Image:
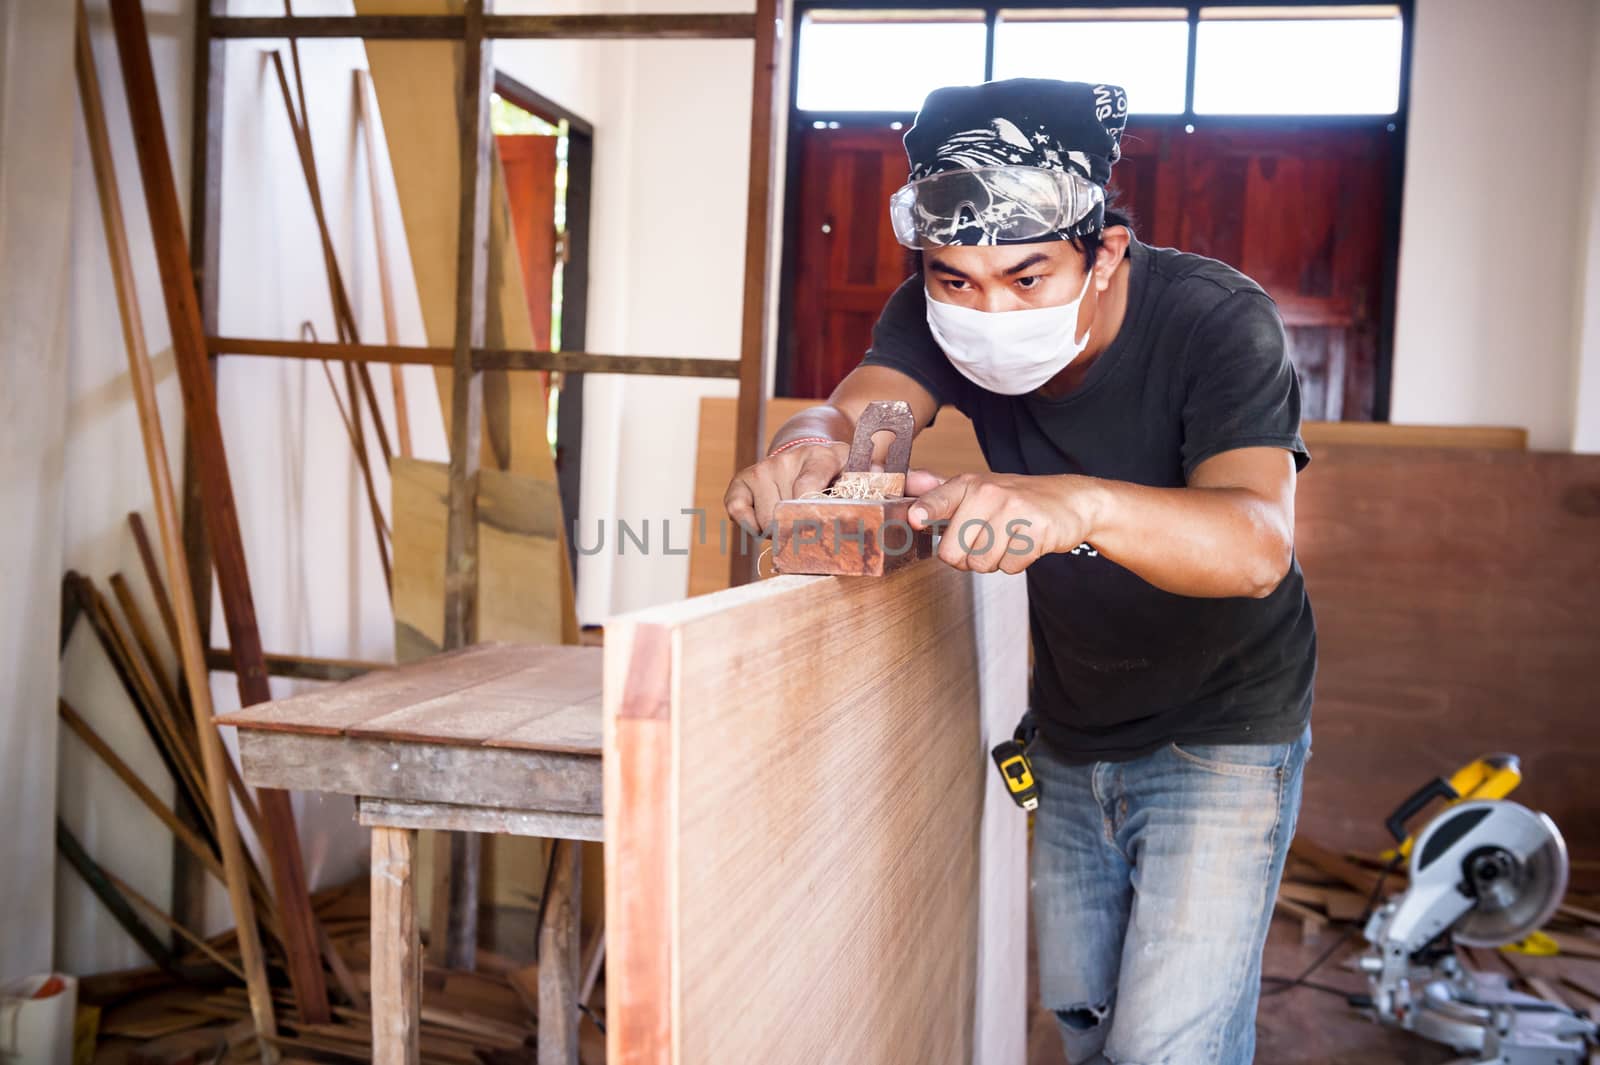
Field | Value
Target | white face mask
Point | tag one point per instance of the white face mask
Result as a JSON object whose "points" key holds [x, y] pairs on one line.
{"points": [[1009, 352]]}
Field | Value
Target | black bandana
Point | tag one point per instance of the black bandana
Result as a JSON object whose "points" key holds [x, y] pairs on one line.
{"points": [[1054, 125]]}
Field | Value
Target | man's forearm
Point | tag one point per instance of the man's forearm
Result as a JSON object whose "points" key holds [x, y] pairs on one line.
{"points": [[1203, 542], [822, 421]]}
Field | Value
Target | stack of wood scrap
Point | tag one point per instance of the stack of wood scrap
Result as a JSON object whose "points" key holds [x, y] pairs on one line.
{"points": [[1325, 890], [468, 1018]]}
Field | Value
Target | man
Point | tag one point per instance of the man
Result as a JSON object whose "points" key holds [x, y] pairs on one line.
{"points": [[1141, 417]]}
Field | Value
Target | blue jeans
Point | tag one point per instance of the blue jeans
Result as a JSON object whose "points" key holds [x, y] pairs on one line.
{"points": [[1153, 886]]}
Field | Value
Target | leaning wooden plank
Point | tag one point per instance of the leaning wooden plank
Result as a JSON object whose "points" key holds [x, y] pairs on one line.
{"points": [[366, 115], [186, 836], [161, 915], [107, 893], [344, 317], [521, 557], [134, 49], [816, 859]]}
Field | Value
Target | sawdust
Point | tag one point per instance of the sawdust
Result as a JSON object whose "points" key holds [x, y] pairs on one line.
{"points": [[862, 486]]}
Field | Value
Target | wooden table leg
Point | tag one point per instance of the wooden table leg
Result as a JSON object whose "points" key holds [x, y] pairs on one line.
{"points": [[558, 957], [396, 948]]}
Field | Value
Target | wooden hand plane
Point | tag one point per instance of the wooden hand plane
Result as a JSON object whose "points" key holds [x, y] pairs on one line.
{"points": [[858, 527]]}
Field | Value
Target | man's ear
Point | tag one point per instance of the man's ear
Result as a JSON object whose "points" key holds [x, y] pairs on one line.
{"points": [[1113, 247]]}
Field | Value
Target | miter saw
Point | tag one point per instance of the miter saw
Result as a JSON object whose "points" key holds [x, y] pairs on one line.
{"points": [[1484, 872]]}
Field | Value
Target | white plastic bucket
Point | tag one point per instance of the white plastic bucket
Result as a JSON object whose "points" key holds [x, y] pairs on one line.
{"points": [[36, 1020]]}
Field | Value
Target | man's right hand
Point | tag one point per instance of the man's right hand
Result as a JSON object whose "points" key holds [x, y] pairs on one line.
{"points": [[790, 474]]}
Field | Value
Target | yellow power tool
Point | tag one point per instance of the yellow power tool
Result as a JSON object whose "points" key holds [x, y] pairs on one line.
{"points": [[1494, 776]]}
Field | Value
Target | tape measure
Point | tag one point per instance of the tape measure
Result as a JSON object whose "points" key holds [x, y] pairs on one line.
{"points": [[1011, 758]]}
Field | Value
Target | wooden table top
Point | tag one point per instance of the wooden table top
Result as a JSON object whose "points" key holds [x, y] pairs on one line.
{"points": [[519, 696]]}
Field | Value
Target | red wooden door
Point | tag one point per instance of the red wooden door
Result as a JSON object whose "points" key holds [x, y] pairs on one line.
{"points": [[1301, 211], [849, 261], [529, 162]]}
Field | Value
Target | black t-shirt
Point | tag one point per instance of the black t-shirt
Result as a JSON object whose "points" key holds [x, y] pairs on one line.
{"points": [[1199, 367]]}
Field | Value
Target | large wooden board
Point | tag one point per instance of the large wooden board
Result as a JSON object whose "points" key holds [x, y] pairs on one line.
{"points": [[812, 856], [1455, 593], [521, 558], [950, 447]]}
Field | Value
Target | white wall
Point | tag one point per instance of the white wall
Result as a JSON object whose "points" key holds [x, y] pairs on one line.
{"points": [[37, 104], [1489, 297]]}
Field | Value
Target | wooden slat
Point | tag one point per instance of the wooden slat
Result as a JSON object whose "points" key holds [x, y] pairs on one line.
{"points": [[332, 710], [422, 772], [454, 27], [452, 817], [482, 358], [507, 704], [161, 196], [1383, 434], [301, 667], [817, 746], [574, 729]]}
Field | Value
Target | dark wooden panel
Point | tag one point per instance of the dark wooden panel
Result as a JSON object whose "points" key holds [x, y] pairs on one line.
{"points": [[1455, 596]]}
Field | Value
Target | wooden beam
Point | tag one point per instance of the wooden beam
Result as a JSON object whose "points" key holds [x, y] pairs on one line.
{"points": [[301, 667], [222, 521], [482, 359], [750, 440], [205, 236], [466, 424], [396, 949], [717, 26], [211, 803]]}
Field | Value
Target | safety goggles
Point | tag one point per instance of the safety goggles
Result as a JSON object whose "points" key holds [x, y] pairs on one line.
{"points": [[991, 205]]}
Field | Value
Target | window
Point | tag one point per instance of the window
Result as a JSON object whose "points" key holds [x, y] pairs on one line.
{"points": [[1146, 51], [1284, 61], [876, 61]]}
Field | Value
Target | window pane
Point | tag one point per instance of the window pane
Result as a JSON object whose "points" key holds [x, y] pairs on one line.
{"points": [[884, 66], [1148, 58], [1297, 66]]}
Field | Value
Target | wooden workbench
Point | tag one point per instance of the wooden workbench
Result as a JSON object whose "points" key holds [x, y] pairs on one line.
{"points": [[499, 738]]}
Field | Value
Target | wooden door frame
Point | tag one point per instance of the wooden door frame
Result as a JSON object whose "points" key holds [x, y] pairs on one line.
{"points": [[574, 287], [1394, 181]]}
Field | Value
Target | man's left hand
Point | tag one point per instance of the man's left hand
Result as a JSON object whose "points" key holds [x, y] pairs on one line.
{"points": [[1002, 521]]}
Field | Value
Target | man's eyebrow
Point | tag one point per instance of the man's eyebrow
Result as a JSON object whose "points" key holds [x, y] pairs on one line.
{"points": [[1033, 260], [946, 268]]}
